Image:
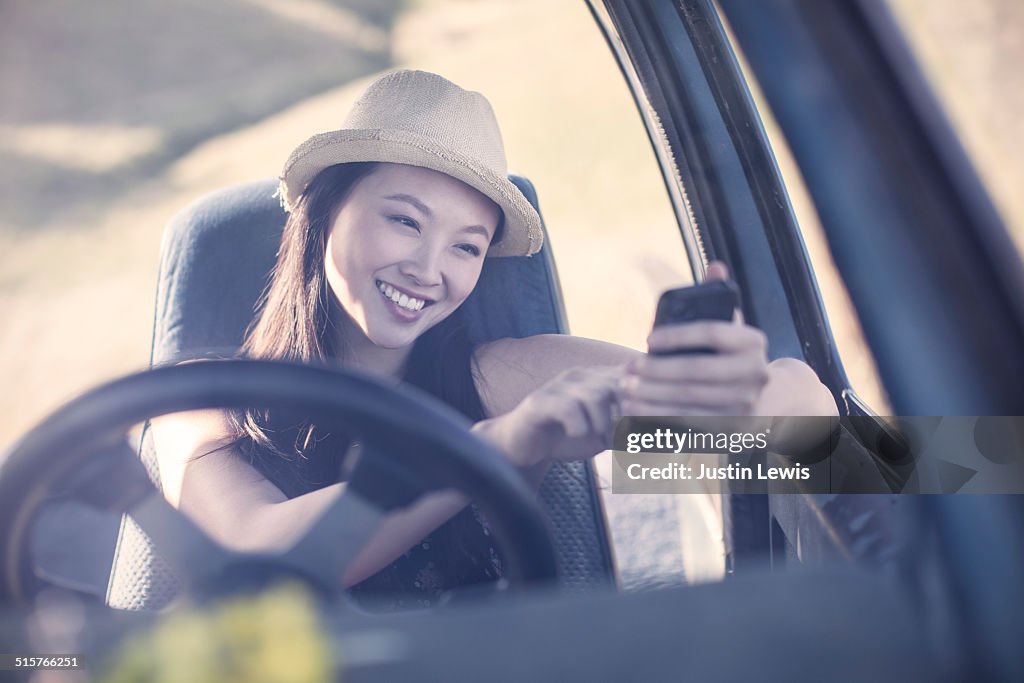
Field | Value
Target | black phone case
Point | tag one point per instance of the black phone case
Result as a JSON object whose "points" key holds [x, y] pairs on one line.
{"points": [[709, 301]]}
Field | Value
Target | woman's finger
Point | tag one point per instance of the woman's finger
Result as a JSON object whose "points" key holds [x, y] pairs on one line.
{"points": [[750, 368], [575, 409], [568, 416], [693, 393], [640, 408], [598, 403], [723, 337], [717, 270]]}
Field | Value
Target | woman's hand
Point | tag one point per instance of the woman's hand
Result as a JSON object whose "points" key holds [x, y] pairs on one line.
{"points": [[729, 381], [570, 417], [737, 380]]}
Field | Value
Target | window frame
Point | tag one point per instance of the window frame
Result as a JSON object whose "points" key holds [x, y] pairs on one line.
{"points": [[871, 108], [715, 154]]}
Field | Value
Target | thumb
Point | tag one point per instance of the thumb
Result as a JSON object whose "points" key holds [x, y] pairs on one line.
{"points": [[717, 270]]}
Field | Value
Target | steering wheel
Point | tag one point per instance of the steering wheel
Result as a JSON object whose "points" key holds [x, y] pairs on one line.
{"points": [[411, 444]]}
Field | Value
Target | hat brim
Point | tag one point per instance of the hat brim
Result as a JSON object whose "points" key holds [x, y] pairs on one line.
{"points": [[522, 236]]}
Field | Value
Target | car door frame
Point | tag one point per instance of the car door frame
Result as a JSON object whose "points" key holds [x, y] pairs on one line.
{"points": [[731, 203]]}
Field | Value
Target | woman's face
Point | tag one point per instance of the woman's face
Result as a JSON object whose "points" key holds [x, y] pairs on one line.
{"points": [[406, 249]]}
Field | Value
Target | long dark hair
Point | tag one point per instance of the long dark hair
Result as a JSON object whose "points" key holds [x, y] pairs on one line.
{"points": [[298, 320]]}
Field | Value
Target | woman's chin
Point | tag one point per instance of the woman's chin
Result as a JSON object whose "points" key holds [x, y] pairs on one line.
{"points": [[391, 341]]}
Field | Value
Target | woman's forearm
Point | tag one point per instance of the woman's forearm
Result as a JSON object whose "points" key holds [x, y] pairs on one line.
{"points": [[262, 525], [524, 453], [402, 530], [251, 515], [405, 528]]}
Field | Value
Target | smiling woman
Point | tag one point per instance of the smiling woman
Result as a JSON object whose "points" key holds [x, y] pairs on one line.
{"points": [[390, 222], [399, 267]]}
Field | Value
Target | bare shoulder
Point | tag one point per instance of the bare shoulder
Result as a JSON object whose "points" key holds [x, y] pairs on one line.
{"points": [[509, 369], [181, 438]]}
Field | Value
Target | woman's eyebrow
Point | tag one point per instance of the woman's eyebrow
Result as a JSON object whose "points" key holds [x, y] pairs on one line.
{"points": [[477, 229], [409, 199], [424, 209]]}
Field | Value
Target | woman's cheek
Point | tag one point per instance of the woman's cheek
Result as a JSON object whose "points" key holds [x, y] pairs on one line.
{"points": [[467, 283]]}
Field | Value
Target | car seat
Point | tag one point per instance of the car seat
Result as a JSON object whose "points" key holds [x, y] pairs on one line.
{"points": [[216, 257]]}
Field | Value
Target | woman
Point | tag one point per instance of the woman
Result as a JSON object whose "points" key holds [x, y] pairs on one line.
{"points": [[391, 218]]}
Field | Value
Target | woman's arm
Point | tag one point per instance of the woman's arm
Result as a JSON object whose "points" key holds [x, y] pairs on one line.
{"points": [[242, 510], [211, 483], [737, 380], [554, 389], [509, 370]]}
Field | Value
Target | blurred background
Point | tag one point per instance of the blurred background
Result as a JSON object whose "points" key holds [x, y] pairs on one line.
{"points": [[113, 115], [116, 113]]}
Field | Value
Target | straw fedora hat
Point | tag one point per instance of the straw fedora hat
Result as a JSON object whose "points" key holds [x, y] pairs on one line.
{"points": [[422, 119]]}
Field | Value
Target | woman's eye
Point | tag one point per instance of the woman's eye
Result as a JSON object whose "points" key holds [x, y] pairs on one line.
{"points": [[406, 221], [470, 249]]}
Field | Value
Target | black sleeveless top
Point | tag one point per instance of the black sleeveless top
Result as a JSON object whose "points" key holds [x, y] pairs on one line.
{"points": [[461, 552]]}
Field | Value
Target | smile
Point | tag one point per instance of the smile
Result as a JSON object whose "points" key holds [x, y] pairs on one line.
{"points": [[401, 299]]}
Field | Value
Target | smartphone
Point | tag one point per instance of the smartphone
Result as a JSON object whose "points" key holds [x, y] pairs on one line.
{"points": [[708, 301]]}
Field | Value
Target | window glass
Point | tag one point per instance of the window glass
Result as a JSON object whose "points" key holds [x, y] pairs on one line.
{"points": [[971, 53], [857, 359], [853, 350]]}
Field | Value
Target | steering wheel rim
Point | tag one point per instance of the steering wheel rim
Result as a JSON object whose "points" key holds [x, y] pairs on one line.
{"points": [[98, 420]]}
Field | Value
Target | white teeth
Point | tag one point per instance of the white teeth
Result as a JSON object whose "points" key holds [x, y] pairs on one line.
{"points": [[405, 301]]}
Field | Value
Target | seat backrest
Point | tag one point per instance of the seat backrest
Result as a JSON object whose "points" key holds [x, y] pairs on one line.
{"points": [[216, 258]]}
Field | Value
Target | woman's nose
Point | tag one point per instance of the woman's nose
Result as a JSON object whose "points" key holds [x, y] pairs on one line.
{"points": [[424, 265]]}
